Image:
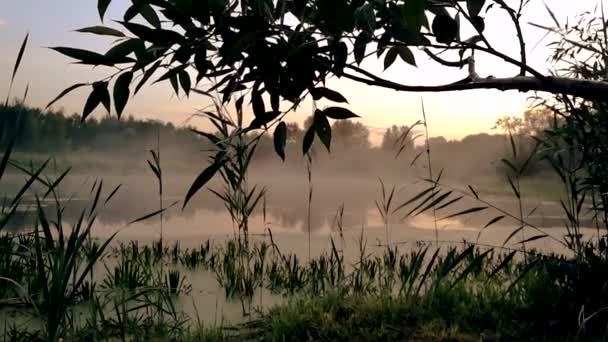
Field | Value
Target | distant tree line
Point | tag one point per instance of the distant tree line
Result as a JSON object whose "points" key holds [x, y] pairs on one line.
{"points": [[53, 132]]}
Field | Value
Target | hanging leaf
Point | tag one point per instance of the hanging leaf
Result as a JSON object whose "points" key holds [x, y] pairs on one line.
{"points": [[321, 92], [185, 82], [104, 94], [339, 113], [122, 92], [171, 73], [150, 15], [203, 179], [147, 76], [102, 31], [275, 102], [406, 55], [65, 92], [125, 48], [322, 128], [309, 137], [445, 29], [257, 103], [201, 63], [90, 57], [390, 57], [360, 46], [102, 7], [280, 139], [92, 102], [478, 23], [174, 83], [474, 7], [340, 57]]}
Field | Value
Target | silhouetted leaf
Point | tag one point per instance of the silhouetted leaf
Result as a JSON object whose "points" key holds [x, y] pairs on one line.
{"points": [[474, 7], [102, 7], [122, 92], [65, 92], [445, 29], [340, 57], [450, 202], [155, 213], [92, 102], [112, 194], [6, 156], [147, 75], [203, 179], [185, 82], [201, 63], [465, 212], [414, 198], [160, 37], [275, 102], [473, 191], [339, 113], [104, 94], [512, 234], [406, 55], [505, 262], [557, 24], [90, 57], [150, 15], [214, 139], [522, 274], [101, 30], [125, 48], [174, 83], [514, 188], [280, 139], [56, 182], [322, 128], [258, 104], [494, 220], [309, 137], [513, 148], [478, 23], [533, 238], [19, 57], [360, 46], [472, 265], [332, 95], [390, 57]]}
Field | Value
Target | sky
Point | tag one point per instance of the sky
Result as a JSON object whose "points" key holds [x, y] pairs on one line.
{"points": [[451, 114]]}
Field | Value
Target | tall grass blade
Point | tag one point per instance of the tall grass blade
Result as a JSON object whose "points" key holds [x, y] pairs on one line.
{"points": [[465, 212], [112, 194], [6, 156], [155, 213], [513, 233], [56, 183], [472, 266], [522, 274], [35, 175], [17, 64], [504, 263]]}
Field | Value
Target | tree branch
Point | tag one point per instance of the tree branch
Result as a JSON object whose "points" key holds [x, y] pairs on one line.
{"points": [[520, 35], [587, 89]]}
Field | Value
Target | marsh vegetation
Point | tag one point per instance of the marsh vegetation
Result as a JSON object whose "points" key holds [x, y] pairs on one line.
{"points": [[498, 237]]}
